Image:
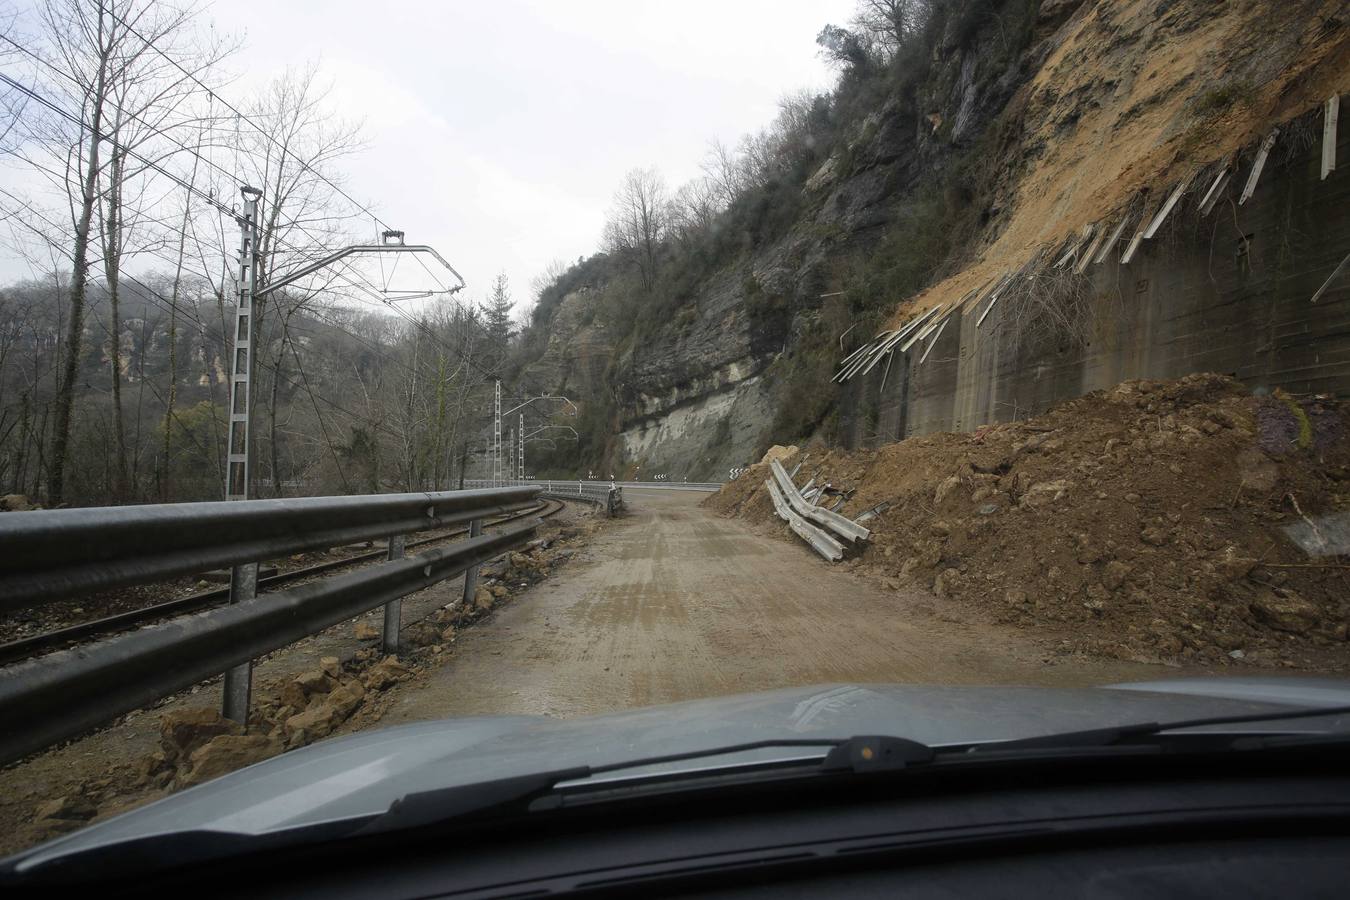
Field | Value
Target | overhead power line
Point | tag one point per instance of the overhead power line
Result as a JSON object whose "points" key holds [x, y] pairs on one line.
{"points": [[262, 131]]}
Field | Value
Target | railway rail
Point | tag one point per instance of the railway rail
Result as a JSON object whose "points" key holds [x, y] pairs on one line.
{"points": [[62, 638]]}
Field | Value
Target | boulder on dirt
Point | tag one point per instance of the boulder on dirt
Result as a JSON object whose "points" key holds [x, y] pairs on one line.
{"points": [[16, 503], [321, 718], [69, 808], [227, 753], [384, 673], [294, 695], [184, 730], [316, 682], [1045, 492], [421, 634], [1114, 574], [778, 452], [364, 631], [482, 598], [1284, 610], [944, 489]]}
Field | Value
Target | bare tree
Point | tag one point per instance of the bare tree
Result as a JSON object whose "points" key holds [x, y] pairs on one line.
{"points": [[638, 221], [724, 170], [119, 71], [694, 208], [292, 160], [891, 23]]}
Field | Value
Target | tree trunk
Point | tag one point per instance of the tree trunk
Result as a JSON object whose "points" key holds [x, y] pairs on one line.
{"points": [[111, 266], [65, 395]]}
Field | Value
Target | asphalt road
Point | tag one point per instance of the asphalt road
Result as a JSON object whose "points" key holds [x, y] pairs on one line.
{"points": [[675, 603]]}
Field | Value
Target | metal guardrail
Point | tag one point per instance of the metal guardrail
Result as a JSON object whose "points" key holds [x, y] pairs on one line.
{"points": [[825, 545], [600, 493], [64, 553], [840, 525], [823, 529], [673, 485]]}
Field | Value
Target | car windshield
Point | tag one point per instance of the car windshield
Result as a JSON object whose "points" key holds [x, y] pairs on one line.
{"points": [[398, 400]]}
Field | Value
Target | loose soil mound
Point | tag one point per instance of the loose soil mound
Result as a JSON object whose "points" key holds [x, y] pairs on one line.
{"points": [[1158, 520]]}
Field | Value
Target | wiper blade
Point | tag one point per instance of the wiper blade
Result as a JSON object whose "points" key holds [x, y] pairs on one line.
{"points": [[862, 754], [467, 801], [1122, 734]]}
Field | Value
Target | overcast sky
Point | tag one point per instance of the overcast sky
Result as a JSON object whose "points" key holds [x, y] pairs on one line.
{"points": [[498, 130]]}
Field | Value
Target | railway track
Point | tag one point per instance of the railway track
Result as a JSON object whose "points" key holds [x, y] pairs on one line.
{"points": [[62, 638]]}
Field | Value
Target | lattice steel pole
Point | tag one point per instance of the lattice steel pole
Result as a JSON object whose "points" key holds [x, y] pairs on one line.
{"points": [[520, 451], [244, 577], [497, 437]]}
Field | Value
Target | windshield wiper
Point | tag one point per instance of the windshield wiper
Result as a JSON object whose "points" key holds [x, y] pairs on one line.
{"points": [[1123, 734]]}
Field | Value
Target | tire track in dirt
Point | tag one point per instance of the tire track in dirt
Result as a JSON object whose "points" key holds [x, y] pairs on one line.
{"points": [[674, 603]]}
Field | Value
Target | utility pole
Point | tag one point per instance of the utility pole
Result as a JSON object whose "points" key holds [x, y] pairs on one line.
{"points": [[238, 458], [243, 577], [520, 451], [497, 438]]}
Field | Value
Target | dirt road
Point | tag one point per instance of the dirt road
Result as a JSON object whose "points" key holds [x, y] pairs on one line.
{"points": [[674, 603]]}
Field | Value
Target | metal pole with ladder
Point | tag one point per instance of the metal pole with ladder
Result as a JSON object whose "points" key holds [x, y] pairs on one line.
{"points": [[244, 577], [497, 437], [520, 450]]}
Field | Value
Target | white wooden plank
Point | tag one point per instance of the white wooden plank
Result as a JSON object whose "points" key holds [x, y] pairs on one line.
{"points": [[920, 334], [1111, 241], [1257, 166], [1215, 190], [1167, 208], [1334, 275], [1132, 247], [1076, 246], [933, 342], [1090, 252], [1330, 119], [980, 320]]}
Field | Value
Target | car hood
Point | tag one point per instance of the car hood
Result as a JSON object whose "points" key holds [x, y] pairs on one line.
{"points": [[361, 775]]}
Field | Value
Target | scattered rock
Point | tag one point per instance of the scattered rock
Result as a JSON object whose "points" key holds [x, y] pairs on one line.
{"points": [[16, 503], [482, 598], [945, 489], [1284, 610], [364, 631], [314, 682], [1114, 574], [384, 673], [69, 808], [225, 754], [331, 666], [183, 731], [1045, 493], [1153, 536]]}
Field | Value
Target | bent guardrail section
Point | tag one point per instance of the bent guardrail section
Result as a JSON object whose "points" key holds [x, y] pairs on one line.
{"points": [[65, 553], [823, 529], [825, 545]]}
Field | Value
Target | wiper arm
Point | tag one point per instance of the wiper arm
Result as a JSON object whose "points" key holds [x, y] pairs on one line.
{"points": [[873, 753], [468, 800], [1121, 734]]}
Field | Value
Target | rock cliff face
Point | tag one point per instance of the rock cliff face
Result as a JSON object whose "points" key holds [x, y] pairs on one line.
{"points": [[1014, 112]]}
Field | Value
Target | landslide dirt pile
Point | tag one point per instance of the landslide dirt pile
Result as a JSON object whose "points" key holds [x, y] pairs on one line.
{"points": [[1153, 520]]}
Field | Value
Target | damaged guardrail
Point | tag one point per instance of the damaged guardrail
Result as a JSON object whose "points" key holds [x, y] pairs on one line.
{"points": [[53, 554], [823, 529]]}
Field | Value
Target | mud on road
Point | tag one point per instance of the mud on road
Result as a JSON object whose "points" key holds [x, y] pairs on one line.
{"points": [[675, 603]]}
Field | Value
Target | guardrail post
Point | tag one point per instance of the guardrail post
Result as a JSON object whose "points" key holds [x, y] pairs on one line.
{"points": [[239, 680], [393, 610], [471, 574]]}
